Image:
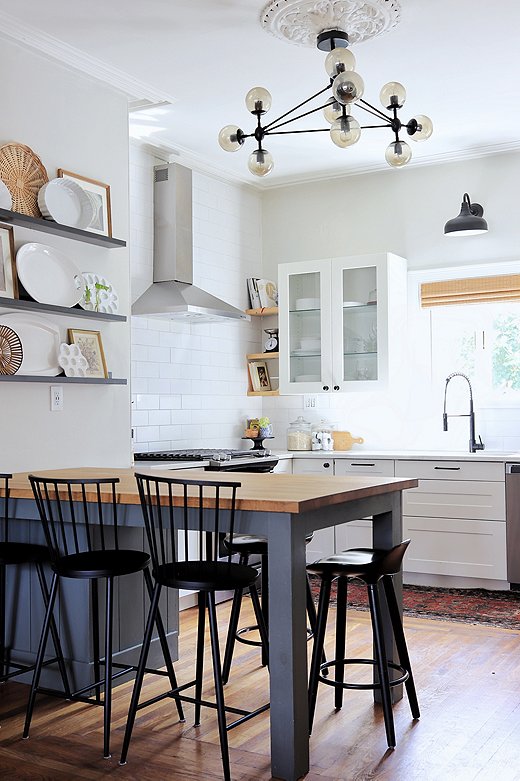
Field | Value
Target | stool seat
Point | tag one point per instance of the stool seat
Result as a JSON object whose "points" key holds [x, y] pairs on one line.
{"points": [[206, 575], [372, 565], [22, 553], [368, 564], [101, 564], [250, 544]]}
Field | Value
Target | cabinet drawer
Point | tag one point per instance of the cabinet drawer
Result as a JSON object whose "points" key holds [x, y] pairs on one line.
{"points": [[451, 470], [456, 499], [364, 466], [454, 546], [314, 465]]}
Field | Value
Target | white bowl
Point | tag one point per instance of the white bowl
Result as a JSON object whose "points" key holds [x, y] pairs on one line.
{"points": [[307, 303]]}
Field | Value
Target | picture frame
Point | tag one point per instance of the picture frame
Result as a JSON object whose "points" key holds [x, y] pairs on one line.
{"points": [[99, 194], [91, 346], [8, 276], [259, 374]]}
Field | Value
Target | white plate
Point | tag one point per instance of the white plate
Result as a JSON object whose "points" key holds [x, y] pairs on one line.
{"points": [[6, 201], [66, 202], [40, 341], [99, 299], [299, 353], [353, 303], [307, 378], [48, 275], [307, 303]]}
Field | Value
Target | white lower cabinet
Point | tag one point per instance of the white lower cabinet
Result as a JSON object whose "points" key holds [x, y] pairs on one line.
{"points": [[355, 534], [455, 518]]}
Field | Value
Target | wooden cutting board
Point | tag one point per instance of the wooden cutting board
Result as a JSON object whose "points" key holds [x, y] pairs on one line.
{"points": [[343, 440]]}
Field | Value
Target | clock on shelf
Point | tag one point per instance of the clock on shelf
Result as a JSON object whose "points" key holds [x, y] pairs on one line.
{"points": [[271, 343]]}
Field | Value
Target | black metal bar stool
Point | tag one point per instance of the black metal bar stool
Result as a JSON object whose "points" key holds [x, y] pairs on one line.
{"points": [[372, 566], [18, 554], [167, 504], [79, 517], [245, 546]]}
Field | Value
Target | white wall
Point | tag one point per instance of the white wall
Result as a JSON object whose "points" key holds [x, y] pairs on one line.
{"points": [[401, 211], [76, 123], [189, 381]]}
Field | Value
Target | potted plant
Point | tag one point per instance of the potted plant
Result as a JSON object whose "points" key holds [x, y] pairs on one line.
{"points": [[265, 427]]}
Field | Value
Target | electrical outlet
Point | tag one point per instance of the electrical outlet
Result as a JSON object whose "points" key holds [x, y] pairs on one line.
{"points": [[56, 398], [310, 401]]}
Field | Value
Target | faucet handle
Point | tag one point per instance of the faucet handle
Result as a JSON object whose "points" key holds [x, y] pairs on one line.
{"points": [[479, 445]]}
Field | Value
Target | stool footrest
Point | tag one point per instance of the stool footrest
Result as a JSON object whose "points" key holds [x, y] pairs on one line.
{"points": [[245, 630], [361, 686]]}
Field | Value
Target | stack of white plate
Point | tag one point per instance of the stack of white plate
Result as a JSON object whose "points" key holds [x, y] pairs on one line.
{"points": [[66, 202]]}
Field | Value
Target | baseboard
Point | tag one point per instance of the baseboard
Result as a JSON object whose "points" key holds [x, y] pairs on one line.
{"points": [[450, 581]]}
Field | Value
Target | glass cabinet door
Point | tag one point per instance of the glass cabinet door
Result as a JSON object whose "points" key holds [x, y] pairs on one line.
{"points": [[356, 321], [305, 364]]}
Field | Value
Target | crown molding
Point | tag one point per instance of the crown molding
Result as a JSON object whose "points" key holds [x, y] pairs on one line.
{"points": [[443, 158], [75, 59]]}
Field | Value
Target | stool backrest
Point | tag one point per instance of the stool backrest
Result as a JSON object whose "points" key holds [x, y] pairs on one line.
{"points": [[78, 515], [167, 503], [4, 512], [393, 559]]}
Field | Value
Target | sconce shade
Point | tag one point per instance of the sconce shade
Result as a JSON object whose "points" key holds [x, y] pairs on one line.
{"points": [[469, 222]]}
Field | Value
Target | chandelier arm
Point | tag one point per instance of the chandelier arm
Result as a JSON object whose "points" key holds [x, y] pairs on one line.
{"points": [[297, 107], [374, 110], [368, 127], [271, 127], [290, 132]]}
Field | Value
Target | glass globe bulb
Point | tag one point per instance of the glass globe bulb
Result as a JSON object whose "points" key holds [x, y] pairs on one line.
{"points": [[398, 153], [392, 95], [332, 111], [231, 138], [260, 162], [424, 128], [348, 87], [258, 100], [339, 60], [345, 131]]}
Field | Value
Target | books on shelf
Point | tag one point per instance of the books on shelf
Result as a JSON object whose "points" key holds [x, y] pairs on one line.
{"points": [[263, 293]]}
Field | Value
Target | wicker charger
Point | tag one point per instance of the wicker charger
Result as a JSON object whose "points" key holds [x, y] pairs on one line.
{"points": [[23, 173], [11, 352]]}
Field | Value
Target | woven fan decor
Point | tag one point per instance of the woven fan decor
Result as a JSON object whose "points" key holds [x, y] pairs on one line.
{"points": [[23, 173], [11, 352]]}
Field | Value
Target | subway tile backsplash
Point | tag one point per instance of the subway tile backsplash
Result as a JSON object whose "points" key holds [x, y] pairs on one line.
{"points": [[189, 381]]}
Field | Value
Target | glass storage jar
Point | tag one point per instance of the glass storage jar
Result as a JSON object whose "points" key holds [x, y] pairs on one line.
{"points": [[321, 436], [299, 435]]}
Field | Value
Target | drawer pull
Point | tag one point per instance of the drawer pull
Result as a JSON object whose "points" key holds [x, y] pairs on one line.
{"points": [[448, 468], [362, 464]]}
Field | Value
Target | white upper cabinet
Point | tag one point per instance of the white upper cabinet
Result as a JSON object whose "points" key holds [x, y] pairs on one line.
{"points": [[342, 323]]}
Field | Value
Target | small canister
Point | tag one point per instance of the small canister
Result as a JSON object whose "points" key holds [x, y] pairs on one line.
{"points": [[321, 436], [299, 435]]}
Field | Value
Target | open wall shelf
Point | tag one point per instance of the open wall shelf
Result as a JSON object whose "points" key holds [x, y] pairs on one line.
{"points": [[61, 379], [56, 229], [69, 311]]}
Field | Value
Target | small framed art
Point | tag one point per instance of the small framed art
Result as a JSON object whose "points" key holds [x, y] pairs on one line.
{"points": [[99, 195], [259, 376], [8, 278], [91, 346]]}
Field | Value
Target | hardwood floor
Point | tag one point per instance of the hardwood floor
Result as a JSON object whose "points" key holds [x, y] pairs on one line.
{"points": [[468, 683]]}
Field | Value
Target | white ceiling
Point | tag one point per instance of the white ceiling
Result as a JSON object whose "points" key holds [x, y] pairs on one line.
{"points": [[457, 60]]}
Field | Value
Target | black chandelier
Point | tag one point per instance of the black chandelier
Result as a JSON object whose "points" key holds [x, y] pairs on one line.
{"points": [[347, 88]]}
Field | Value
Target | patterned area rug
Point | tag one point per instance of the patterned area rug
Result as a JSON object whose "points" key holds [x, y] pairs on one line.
{"points": [[470, 606]]}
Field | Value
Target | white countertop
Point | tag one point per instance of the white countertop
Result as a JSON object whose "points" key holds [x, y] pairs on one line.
{"points": [[407, 455]]}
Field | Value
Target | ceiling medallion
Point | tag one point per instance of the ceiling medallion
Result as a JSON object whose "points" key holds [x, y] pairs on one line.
{"points": [[301, 21]]}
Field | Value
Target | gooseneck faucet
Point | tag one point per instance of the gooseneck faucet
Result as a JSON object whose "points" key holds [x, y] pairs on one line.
{"points": [[473, 444]]}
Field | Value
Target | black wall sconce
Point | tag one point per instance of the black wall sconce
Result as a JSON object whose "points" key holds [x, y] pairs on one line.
{"points": [[469, 222]]}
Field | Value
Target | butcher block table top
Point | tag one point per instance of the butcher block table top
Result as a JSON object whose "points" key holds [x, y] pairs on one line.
{"points": [[284, 493]]}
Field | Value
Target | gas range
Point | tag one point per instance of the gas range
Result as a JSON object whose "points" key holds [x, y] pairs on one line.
{"points": [[212, 459]]}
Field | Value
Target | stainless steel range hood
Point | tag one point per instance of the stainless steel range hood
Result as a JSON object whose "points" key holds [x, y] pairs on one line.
{"points": [[173, 294]]}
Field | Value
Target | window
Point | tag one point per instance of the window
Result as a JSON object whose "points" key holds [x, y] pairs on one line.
{"points": [[482, 341]]}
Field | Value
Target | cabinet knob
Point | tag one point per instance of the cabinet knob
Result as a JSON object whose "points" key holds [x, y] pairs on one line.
{"points": [[326, 465], [336, 387], [326, 388]]}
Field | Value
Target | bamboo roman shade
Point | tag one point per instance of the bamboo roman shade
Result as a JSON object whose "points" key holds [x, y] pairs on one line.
{"points": [[478, 290]]}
